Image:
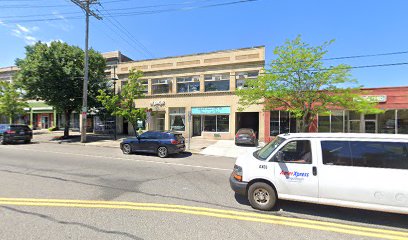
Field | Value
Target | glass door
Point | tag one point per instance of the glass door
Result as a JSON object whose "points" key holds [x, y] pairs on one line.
{"points": [[44, 122], [197, 126]]}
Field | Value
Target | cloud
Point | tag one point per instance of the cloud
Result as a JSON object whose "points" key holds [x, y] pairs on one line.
{"points": [[63, 24], [30, 39], [2, 23], [25, 33], [23, 29]]}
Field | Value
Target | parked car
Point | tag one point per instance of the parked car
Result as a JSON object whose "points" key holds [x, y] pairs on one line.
{"points": [[158, 142], [246, 136], [15, 132]]}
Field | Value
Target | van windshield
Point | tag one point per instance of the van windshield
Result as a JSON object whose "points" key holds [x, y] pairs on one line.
{"points": [[266, 151]]}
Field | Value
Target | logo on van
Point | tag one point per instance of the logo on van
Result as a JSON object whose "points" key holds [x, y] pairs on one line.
{"points": [[294, 174]]}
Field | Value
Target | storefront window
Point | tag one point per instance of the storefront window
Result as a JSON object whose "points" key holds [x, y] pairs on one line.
{"points": [[161, 86], [402, 116], [177, 119], [223, 123], [337, 121], [386, 122], [210, 123], [282, 122], [219, 123], [324, 123], [188, 84], [274, 123], [354, 121], [217, 82]]}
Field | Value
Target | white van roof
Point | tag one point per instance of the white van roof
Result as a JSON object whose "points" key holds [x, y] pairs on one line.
{"points": [[345, 135]]}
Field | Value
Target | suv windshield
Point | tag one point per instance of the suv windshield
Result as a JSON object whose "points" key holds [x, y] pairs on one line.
{"points": [[266, 151]]}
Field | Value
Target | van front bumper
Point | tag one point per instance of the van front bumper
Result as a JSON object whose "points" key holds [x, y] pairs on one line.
{"points": [[238, 187]]}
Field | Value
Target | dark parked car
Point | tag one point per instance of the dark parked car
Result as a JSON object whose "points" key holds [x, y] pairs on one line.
{"points": [[160, 143], [246, 136], [15, 132]]}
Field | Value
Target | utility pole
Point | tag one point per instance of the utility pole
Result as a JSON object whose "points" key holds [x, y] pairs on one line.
{"points": [[84, 4]]}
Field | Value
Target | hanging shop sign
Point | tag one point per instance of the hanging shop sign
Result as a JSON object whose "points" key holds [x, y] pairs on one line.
{"points": [[210, 110]]}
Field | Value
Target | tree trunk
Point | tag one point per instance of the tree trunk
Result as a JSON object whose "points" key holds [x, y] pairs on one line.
{"points": [[10, 120], [67, 123], [134, 128]]}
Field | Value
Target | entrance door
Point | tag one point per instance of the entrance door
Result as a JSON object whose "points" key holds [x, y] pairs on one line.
{"points": [[160, 122], [370, 126], [196, 125], [44, 122]]}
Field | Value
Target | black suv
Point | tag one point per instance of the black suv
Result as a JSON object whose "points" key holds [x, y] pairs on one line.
{"points": [[160, 143], [15, 132]]}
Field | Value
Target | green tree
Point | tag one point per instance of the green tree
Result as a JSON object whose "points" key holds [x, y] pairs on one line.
{"points": [[54, 73], [297, 81], [123, 103], [11, 101]]}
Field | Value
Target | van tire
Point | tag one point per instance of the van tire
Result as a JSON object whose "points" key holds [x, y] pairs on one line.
{"points": [[262, 196]]}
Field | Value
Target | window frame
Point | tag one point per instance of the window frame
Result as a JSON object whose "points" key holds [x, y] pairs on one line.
{"points": [[157, 82]]}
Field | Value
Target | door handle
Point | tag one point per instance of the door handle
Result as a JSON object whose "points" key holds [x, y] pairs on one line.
{"points": [[314, 169]]}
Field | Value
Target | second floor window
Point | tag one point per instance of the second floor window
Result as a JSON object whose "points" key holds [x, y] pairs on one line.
{"points": [[188, 84], [243, 77], [217, 82], [161, 86]]}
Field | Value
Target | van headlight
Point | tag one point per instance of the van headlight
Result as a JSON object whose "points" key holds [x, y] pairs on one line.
{"points": [[237, 173]]}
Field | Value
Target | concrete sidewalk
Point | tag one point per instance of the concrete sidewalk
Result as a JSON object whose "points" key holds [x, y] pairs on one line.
{"points": [[198, 145]]}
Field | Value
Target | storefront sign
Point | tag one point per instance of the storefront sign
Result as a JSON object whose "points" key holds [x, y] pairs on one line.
{"points": [[158, 103], [210, 110], [374, 98]]}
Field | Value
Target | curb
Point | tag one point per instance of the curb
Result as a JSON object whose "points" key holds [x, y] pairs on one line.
{"points": [[192, 151]]}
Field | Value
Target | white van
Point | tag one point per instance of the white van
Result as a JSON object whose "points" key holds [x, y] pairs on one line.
{"points": [[368, 171]]}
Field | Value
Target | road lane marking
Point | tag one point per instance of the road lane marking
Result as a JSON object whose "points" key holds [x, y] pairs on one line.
{"points": [[124, 159], [228, 214]]}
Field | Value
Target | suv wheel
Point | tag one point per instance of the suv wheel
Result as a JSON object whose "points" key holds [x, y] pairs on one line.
{"points": [[162, 152], [126, 148], [2, 142], [262, 196]]}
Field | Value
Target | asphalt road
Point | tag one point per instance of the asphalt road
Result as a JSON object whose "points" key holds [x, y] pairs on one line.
{"points": [[52, 191]]}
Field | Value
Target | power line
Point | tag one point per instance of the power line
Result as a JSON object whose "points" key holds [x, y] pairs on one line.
{"points": [[127, 33], [124, 14], [367, 55]]}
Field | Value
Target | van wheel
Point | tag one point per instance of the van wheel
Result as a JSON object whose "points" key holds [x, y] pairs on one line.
{"points": [[162, 152], [262, 196]]}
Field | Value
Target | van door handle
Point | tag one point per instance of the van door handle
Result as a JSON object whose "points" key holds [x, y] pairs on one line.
{"points": [[314, 171]]}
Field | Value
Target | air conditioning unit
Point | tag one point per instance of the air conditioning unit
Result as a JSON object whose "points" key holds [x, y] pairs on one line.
{"points": [[196, 79]]}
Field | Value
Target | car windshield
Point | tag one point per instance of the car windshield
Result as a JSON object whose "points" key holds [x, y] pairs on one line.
{"points": [[266, 151]]}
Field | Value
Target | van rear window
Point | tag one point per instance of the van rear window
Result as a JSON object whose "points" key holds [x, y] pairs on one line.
{"points": [[365, 154]]}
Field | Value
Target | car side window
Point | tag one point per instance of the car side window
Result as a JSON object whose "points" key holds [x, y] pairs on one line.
{"points": [[298, 151], [146, 135]]}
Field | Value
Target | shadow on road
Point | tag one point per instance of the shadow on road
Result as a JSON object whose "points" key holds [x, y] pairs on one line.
{"points": [[179, 155], [337, 213]]}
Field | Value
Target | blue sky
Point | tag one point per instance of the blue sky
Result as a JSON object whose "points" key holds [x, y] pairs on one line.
{"points": [[358, 27]]}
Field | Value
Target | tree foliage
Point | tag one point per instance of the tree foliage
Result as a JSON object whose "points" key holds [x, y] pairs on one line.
{"points": [[122, 104], [11, 101], [298, 81], [54, 73]]}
